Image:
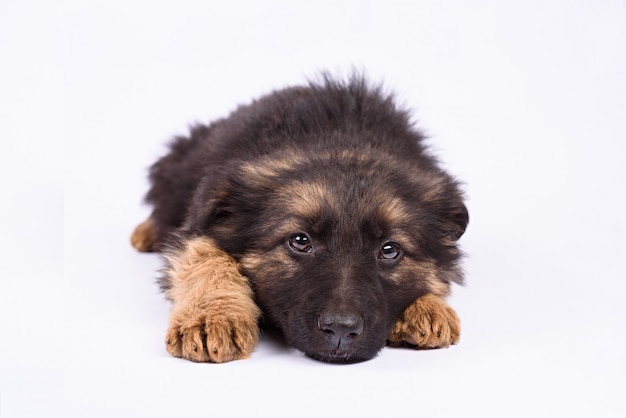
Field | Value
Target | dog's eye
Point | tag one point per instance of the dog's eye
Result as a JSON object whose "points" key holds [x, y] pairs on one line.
{"points": [[300, 243], [389, 251]]}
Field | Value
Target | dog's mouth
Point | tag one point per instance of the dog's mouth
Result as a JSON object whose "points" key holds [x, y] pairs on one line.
{"points": [[337, 357], [342, 354]]}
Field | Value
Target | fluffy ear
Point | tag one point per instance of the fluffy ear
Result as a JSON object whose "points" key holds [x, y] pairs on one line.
{"points": [[460, 219], [454, 216], [210, 205], [446, 202]]}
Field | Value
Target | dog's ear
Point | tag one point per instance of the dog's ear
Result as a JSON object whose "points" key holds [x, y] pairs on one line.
{"points": [[211, 205], [459, 219], [453, 215], [447, 203], [218, 208]]}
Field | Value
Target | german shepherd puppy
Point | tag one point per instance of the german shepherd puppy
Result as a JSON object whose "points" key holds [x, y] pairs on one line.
{"points": [[315, 209]]}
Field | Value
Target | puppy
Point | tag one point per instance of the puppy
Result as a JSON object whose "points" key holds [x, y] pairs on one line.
{"points": [[315, 209]]}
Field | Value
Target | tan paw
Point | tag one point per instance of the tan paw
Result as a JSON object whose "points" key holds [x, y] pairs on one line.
{"points": [[144, 237], [212, 337], [427, 323]]}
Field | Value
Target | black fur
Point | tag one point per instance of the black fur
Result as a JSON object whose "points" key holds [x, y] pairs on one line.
{"points": [[353, 140]]}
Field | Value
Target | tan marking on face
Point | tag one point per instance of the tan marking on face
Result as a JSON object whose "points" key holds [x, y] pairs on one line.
{"points": [[425, 271], [394, 210], [279, 231], [406, 241], [273, 166], [305, 199], [437, 287], [431, 274], [251, 261], [214, 317], [269, 266]]}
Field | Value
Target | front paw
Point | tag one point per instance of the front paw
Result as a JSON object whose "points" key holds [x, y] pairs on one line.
{"points": [[427, 323], [212, 336]]}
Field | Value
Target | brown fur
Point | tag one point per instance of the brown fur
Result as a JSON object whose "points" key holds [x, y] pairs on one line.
{"points": [[143, 237], [319, 206], [427, 323], [214, 317]]}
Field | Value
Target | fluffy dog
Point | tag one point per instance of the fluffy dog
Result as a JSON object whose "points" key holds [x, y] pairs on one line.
{"points": [[315, 209]]}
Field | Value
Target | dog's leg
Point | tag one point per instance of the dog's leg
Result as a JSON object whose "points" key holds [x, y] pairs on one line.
{"points": [[429, 322], [144, 236], [214, 316]]}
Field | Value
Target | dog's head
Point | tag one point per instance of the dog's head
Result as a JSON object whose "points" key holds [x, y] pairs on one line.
{"points": [[337, 246]]}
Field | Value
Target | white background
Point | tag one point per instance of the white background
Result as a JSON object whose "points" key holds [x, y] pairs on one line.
{"points": [[524, 101]]}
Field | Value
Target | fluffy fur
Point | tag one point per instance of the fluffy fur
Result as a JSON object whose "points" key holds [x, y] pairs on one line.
{"points": [[316, 208]]}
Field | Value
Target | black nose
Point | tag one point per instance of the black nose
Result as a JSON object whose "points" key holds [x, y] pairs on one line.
{"points": [[340, 329]]}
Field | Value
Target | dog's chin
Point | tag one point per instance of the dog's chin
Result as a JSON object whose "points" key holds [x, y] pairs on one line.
{"points": [[341, 355], [338, 358]]}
